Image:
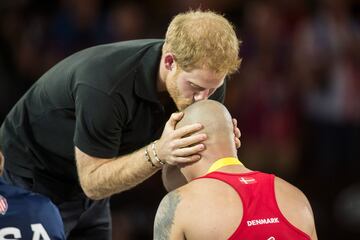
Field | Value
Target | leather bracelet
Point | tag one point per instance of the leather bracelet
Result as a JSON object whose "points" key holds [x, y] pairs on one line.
{"points": [[155, 154], [147, 158]]}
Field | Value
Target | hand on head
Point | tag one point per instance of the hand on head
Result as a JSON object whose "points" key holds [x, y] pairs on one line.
{"points": [[180, 145], [237, 134], [186, 134]]}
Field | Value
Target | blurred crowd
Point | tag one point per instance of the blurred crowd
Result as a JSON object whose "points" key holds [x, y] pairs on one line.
{"points": [[296, 95]]}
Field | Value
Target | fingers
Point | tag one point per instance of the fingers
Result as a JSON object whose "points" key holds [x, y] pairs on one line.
{"points": [[236, 129], [234, 122], [185, 151], [182, 160], [186, 130], [174, 118], [237, 142], [237, 134], [190, 140], [188, 151]]}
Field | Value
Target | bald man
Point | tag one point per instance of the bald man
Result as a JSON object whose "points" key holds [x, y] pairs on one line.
{"points": [[225, 200]]}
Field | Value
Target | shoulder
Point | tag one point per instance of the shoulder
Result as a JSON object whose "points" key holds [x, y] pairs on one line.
{"points": [[170, 201], [294, 205], [42, 202], [293, 194], [113, 67], [41, 205], [165, 225], [176, 206], [47, 213], [112, 57], [176, 212], [196, 210], [33, 204]]}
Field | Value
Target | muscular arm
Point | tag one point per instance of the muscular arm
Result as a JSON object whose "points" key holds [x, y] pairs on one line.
{"points": [[313, 234], [288, 197], [100, 178], [165, 227]]}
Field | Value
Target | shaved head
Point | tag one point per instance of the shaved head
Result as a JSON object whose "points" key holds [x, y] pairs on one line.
{"points": [[215, 118], [218, 127]]}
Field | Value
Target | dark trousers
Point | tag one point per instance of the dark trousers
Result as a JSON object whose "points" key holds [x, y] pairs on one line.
{"points": [[83, 218]]}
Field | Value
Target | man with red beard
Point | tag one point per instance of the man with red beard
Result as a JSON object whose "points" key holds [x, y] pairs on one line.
{"points": [[103, 120]]}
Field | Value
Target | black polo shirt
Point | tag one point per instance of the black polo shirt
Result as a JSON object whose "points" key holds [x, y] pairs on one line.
{"points": [[102, 100]]}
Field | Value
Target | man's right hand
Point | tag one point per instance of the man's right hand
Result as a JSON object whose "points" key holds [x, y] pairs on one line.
{"points": [[175, 146]]}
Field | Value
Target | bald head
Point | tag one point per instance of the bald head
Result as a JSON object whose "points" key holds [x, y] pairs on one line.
{"points": [[215, 118]]}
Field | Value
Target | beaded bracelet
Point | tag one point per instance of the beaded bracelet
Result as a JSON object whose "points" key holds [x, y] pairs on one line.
{"points": [[147, 158], [155, 154]]}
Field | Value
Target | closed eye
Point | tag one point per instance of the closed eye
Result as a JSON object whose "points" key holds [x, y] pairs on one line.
{"points": [[196, 87]]}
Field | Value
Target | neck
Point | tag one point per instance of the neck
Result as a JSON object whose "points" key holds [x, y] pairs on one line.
{"points": [[201, 167], [219, 147], [223, 162]]}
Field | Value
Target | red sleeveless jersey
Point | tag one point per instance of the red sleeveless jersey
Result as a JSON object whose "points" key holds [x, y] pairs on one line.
{"points": [[262, 219]]}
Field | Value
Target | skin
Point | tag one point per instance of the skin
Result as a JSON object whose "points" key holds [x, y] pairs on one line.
{"points": [[165, 215], [100, 177], [193, 220], [186, 88], [189, 217]]}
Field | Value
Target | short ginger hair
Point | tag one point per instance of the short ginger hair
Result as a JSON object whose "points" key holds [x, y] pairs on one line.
{"points": [[203, 39]]}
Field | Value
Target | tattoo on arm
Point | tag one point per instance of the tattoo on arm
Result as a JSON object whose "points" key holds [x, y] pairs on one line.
{"points": [[165, 216]]}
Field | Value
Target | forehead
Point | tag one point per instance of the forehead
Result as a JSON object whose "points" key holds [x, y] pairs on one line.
{"points": [[204, 78]]}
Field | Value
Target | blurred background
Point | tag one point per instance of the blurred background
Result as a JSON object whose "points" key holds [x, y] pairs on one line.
{"points": [[296, 95]]}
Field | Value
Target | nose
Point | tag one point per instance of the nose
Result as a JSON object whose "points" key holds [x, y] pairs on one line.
{"points": [[202, 95]]}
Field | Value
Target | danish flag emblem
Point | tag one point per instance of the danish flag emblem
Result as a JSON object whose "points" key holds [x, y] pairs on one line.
{"points": [[247, 180], [3, 205]]}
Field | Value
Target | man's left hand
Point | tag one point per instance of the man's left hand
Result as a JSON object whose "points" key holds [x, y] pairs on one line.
{"points": [[237, 134]]}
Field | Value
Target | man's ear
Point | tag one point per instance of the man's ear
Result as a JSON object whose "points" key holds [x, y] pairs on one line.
{"points": [[169, 61]]}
